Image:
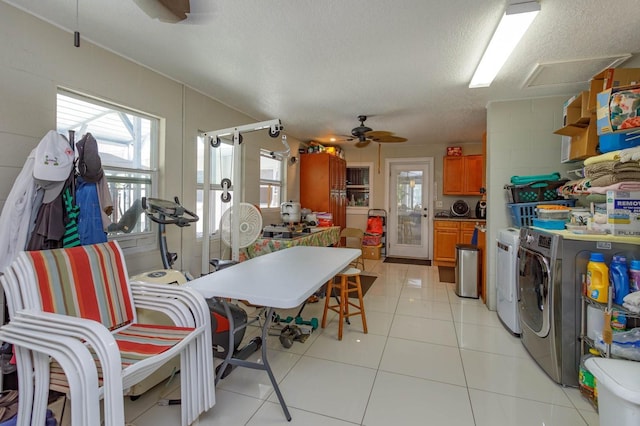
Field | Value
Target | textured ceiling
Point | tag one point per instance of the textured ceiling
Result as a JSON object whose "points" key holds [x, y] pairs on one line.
{"points": [[317, 64]]}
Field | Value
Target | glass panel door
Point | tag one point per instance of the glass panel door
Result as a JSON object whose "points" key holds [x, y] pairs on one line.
{"points": [[408, 230]]}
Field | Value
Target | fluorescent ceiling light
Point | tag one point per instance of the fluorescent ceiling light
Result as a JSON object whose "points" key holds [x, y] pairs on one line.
{"points": [[512, 26]]}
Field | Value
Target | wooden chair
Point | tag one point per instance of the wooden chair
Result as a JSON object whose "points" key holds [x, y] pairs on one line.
{"points": [[83, 293], [346, 282], [352, 238]]}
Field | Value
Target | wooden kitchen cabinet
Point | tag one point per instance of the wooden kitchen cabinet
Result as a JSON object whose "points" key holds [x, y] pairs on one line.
{"points": [[445, 237], [462, 175], [323, 185], [466, 232], [447, 234]]}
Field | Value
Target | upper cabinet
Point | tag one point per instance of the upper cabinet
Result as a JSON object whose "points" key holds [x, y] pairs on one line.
{"points": [[462, 175], [323, 180]]}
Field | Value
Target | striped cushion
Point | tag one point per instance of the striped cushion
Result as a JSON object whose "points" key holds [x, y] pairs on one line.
{"points": [[136, 342], [87, 282]]}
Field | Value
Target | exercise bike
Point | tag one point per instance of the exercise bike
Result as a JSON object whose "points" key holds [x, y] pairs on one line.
{"points": [[164, 212]]}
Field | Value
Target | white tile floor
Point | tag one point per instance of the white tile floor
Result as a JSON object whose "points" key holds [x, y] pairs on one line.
{"points": [[430, 357]]}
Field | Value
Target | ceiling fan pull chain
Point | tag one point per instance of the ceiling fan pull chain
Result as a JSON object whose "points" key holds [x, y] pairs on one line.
{"points": [[76, 34]]}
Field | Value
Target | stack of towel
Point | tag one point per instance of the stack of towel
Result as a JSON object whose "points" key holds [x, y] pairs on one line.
{"points": [[632, 302], [615, 170]]}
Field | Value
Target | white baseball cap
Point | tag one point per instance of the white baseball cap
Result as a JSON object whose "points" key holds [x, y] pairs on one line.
{"points": [[53, 164]]}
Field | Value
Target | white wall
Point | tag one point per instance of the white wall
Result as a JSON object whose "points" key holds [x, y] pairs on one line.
{"points": [[39, 58], [520, 142]]}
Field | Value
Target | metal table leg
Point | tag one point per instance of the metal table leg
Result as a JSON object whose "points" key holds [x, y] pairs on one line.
{"points": [[229, 360]]}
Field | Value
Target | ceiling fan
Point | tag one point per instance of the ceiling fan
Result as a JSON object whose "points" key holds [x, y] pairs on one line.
{"points": [[364, 134], [174, 11]]}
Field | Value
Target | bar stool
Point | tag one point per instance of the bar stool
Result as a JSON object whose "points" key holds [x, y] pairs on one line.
{"points": [[349, 282]]}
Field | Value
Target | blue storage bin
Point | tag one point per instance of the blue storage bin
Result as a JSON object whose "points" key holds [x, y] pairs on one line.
{"points": [[615, 141], [522, 214], [554, 224]]}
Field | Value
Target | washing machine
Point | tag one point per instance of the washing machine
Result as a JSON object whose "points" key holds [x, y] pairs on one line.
{"points": [[547, 308], [507, 278], [550, 275]]}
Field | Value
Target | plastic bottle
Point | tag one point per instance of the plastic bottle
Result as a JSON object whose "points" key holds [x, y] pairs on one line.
{"points": [[619, 277], [586, 380], [598, 278], [634, 276]]}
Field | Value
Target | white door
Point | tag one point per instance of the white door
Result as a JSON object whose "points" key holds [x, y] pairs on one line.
{"points": [[409, 199]]}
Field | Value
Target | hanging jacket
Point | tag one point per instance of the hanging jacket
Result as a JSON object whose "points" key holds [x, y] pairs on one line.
{"points": [[71, 237], [16, 214], [90, 226], [49, 228]]}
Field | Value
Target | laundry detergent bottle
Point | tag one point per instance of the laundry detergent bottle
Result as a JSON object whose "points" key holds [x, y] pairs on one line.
{"points": [[634, 276], [619, 277], [597, 278]]}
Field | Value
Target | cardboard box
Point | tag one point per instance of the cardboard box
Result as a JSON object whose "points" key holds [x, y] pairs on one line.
{"points": [[583, 142], [574, 114], [623, 213], [371, 252], [618, 109], [611, 77]]}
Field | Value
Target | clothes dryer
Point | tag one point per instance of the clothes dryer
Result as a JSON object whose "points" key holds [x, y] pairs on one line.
{"points": [[507, 278]]}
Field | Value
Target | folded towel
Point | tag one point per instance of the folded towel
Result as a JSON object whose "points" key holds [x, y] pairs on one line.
{"points": [[632, 308], [600, 168], [608, 167], [609, 156], [607, 180], [628, 153], [620, 186], [632, 298]]}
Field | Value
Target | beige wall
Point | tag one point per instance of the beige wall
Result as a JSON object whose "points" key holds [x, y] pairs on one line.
{"points": [[520, 142], [369, 154], [39, 58]]}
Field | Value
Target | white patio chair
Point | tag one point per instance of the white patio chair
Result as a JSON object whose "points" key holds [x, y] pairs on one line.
{"points": [[83, 292]]}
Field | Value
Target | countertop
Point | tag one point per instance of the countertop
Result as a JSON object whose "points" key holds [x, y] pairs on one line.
{"points": [[568, 235], [460, 219]]}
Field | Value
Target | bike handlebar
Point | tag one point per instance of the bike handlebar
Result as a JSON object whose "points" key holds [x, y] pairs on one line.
{"points": [[168, 212]]}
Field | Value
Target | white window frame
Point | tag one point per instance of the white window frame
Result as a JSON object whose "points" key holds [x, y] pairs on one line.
{"points": [[281, 184], [369, 186], [137, 241], [218, 208]]}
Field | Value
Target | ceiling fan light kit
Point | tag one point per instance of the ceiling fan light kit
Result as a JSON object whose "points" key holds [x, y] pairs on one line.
{"points": [[364, 134]]}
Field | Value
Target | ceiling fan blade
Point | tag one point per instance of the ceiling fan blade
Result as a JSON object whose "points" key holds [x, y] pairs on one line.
{"points": [[378, 134], [363, 143], [391, 139]]}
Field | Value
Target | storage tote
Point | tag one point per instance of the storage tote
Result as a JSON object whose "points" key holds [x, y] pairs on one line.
{"points": [[544, 190], [522, 214]]}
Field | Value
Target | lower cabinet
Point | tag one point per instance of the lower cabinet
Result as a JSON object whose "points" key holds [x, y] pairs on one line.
{"points": [[448, 233]]}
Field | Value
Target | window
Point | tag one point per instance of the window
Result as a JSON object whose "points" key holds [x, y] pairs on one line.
{"points": [[221, 167], [359, 187], [271, 180], [128, 143]]}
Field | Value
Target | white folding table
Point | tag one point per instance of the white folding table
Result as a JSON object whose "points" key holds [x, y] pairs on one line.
{"points": [[279, 280]]}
